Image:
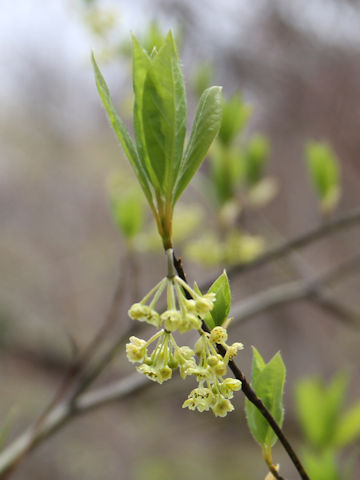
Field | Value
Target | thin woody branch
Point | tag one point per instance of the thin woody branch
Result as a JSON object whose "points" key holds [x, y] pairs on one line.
{"points": [[312, 289], [251, 395], [60, 415], [347, 220]]}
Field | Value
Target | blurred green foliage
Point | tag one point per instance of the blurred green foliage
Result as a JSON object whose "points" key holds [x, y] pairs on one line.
{"points": [[326, 426], [324, 171]]}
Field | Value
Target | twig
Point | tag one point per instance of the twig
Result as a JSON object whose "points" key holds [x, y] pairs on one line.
{"points": [[301, 289], [339, 223], [252, 397], [62, 414], [76, 380], [346, 220]]}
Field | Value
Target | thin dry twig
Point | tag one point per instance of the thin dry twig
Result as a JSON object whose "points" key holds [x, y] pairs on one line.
{"points": [[299, 290]]}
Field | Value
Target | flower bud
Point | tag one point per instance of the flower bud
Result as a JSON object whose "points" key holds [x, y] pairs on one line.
{"points": [[144, 313], [190, 306], [199, 345], [220, 369], [233, 350], [213, 360], [205, 304]]}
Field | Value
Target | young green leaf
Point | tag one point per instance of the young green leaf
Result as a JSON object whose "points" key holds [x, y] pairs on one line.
{"points": [[202, 78], [318, 408], [122, 132], [268, 382], [236, 113], [348, 429], [219, 313], [322, 465], [141, 65], [205, 127], [255, 157], [225, 172], [164, 115], [324, 171], [127, 211]]}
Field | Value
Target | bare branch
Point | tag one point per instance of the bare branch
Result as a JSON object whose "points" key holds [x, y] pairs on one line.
{"points": [[302, 289], [62, 414]]}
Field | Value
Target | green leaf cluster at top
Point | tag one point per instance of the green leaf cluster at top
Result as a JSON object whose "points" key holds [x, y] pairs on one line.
{"points": [[162, 165]]}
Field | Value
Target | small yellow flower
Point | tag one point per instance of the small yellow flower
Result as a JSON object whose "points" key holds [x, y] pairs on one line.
{"points": [[172, 320], [230, 385], [218, 335], [222, 407], [144, 313], [189, 322], [233, 350], [136, 350], [200, 398]]}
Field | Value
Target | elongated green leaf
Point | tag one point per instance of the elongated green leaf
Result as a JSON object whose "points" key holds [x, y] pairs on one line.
{"points": [[348, 429], [268, 382], [205, 127], [258, 364], [141, 65], [121, 131], [219, 313], [164, 115]]}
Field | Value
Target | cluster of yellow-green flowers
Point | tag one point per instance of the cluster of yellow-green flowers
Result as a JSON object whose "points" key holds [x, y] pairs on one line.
{"points": [[161, 355]]}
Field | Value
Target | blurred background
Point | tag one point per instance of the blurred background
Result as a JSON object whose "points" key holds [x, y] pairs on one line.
{"points": [[294, 72]]}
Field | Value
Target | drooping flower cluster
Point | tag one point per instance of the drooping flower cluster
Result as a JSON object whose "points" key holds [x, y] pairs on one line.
{"points": [[214, 391], [161, 355]]}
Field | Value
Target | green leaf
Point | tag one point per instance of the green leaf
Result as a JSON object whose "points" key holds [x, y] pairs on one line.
{"points": [[141, 65], [268, 382], [258, 364], [324, 170], [122, 132], [202, 78], [225, 172], [236, 114], [255, 158], [348, 429], [318, 408], [127, 211], [205, 127], [154, 37], [322, 465], [220, 312], [164, 115]]}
